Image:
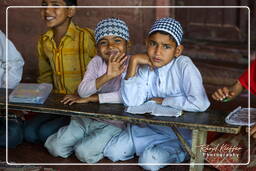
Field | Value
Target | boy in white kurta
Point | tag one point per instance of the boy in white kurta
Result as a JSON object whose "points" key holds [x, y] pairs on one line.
{"points": [[167, 78], [15, 64], [101, 83]]}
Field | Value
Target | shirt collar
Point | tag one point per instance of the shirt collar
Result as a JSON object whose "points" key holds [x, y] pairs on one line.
{"points": [[70, 32], [165, 68]]}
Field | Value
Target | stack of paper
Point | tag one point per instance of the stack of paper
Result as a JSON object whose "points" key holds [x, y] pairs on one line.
{"points": [[30, 93], [240, 116], [154, 109]]}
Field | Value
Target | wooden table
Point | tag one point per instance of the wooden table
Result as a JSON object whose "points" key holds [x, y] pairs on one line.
{"points": [[199, 123]]}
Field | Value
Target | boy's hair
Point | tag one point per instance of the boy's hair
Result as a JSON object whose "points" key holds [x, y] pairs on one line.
{"points": [[111, 27], [70, 2], [164, 33], [170, 26]]}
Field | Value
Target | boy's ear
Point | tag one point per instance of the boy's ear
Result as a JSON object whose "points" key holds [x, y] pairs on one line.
{"points": [[71, 11], [179, 50]]}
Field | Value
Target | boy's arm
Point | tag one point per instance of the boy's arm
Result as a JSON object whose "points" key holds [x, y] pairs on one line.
{"points": [[15, 64], [45, 69], [87, 87], [194, 98], [134, 88], [113, 97], [134, 62]]}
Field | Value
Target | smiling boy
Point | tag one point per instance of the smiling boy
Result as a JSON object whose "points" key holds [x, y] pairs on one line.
{"points": [[63, 54]]}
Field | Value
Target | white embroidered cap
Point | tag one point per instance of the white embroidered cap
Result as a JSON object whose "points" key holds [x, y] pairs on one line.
{"points": [[110, 27], [170, 26]]}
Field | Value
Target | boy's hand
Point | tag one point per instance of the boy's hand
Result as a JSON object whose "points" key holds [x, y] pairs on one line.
{"points": [[136, 60], [223, 93], [71, 99], [141, 59], [158, 100], [116, 65], [228, 93]]}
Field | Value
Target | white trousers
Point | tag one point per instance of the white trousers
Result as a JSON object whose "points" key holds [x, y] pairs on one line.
{"points": [[156, 145], [86, 137]]}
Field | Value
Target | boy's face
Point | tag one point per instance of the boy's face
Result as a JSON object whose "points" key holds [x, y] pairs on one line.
{"points": [[111, 46], [161, 49], [55, 17]]}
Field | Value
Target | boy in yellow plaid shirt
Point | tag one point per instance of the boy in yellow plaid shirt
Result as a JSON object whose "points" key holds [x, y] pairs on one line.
{"points": [[63, 54]]}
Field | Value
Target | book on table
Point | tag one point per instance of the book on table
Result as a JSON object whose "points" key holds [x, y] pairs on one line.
{"points": [[155, 109], [242, 116], [30, 93]]}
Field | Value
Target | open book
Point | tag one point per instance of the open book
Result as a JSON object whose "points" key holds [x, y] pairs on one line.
{"points": [[154, 109], [240, 116], [30, 93]]}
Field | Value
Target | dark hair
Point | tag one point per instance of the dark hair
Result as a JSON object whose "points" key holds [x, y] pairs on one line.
{"points": [[70, 2], [165, 33]]}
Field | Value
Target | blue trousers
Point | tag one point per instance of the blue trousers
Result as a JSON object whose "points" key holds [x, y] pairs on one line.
{"points": [[39, 128], [15, 132]]}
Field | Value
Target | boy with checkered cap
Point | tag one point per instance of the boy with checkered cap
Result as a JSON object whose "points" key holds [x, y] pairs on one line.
{"points": [[167, 78], [101, 83]]}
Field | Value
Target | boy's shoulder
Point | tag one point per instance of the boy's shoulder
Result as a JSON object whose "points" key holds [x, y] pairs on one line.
{"points": [[184, 60], [73, 28], [85, 30]]}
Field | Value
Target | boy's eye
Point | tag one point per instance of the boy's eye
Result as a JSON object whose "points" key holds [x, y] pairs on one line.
{"points": [[166, 46], [118, 40], [103, 43], [152, 43]]}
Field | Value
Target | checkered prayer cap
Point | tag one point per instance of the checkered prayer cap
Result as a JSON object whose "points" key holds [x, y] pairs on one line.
{"points": [[170, 26], [110, 27]]}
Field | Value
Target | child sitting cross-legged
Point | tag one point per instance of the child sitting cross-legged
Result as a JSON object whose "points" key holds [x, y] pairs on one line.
{"points": [[101, 83], [168, 78]]}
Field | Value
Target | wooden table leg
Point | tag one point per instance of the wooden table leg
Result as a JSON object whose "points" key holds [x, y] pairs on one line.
{"points": [[198, 139]]}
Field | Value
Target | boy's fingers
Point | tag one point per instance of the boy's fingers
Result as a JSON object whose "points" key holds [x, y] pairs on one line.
{"points": [[220, 94], [72, 102], [111, 57], [214, 96], [225, 91], [122, 60], [120, 57], [123, 68], [116, 56]]}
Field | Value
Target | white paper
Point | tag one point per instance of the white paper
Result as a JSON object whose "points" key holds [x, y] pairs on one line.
{"points": [[240, 116], [154, 109]]}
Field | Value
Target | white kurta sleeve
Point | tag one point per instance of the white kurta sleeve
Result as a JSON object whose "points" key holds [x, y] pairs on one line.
{"points": [[15, 64], [113, 97], [134, 90], [88, 85], [194, 98]]}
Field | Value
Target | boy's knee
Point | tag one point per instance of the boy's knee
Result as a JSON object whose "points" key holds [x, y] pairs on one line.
{"points": [[15, 134], [116, 153], [88, 155], [55, 148], [30, 134], [44, 132], [154, 155]]}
